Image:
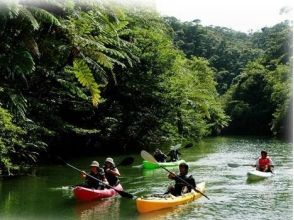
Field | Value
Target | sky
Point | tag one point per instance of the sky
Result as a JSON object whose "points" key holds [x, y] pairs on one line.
{"points": [[239, 15]]}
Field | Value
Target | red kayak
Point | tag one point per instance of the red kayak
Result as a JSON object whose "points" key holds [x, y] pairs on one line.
{"points": [[86, 194]]}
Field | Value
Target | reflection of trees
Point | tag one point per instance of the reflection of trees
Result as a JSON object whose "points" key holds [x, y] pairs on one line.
{"points": [[101, 209]]}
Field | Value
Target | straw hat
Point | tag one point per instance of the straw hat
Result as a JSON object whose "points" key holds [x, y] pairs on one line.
{"points": [[94, 164]]}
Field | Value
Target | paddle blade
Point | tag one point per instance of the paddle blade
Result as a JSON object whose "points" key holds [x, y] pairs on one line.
{"points": [[176, 147], [124, 194], [188, 145], [146, 156], [233, 165], [127, 161]]}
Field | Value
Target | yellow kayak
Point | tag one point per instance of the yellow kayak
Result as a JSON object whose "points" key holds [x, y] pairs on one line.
{"points": [[153, 203]]}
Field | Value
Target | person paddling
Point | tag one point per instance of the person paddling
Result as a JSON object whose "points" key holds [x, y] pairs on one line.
{"points": [[174, 155], [96, 172], [264, 163], [111, 172], [159, 156], [180, 187]]}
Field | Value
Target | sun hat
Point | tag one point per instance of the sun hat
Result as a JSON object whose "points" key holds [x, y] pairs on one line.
{"points": [[109, 160], [94, 164]]}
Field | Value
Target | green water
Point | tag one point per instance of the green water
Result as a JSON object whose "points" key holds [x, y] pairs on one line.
{"points": [[232, 196]]}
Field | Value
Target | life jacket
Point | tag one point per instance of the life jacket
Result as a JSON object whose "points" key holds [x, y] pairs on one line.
{"points": [[179, 183], [92, 183], [263, 162], [112, 180]]}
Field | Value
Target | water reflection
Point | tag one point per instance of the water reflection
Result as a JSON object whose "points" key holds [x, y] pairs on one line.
{"points": [[101, 209], [171, 213]]}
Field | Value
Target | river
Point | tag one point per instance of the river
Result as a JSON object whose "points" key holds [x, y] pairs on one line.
{"points": [[47, 195]]}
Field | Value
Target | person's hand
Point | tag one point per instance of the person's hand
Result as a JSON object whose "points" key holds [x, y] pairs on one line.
{"points": [[108, 170], [83, 175], [172, 175]]}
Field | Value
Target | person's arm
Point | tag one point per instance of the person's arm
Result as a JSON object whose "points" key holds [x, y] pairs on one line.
{"points": [[83, 175], [114, 171], [270, 162]]}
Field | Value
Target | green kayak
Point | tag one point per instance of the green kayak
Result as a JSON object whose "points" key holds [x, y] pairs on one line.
{"points": [[150, 166]]}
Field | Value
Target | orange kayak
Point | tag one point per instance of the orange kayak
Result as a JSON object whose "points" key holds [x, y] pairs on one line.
{"points": [[153, 203]]}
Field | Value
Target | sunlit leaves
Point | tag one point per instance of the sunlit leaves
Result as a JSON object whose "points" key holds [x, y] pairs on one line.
{"points": [[84, 75]]}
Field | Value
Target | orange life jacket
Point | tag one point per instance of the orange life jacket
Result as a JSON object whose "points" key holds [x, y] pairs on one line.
{"points": [[263, 162]]}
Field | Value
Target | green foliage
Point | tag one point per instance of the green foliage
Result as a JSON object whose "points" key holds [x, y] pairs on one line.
{"points": [[227, 50], [279, 85], [152, 81], [15, 148], [84, 75]]}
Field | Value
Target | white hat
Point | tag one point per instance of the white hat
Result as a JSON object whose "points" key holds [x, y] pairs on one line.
{"points": [[94, 164], [110, 160]]}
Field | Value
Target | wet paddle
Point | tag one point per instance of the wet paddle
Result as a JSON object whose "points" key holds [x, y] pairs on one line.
{"points": [[146, 156], [239, 165], [122, 193]]}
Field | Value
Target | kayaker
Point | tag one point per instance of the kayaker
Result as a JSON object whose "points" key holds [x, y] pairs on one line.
{"points": [[159, 156], [180, 187], [174, 155], [111, 172], [264, 163], [96, 172]]}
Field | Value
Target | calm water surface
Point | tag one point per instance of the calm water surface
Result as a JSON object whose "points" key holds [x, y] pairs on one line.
{"points": [[48, 196]]}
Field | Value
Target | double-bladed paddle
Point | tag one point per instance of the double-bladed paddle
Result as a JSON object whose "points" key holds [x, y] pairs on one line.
{"points": [[146, 156], [238, 165], [122, 193], [179, 146]]}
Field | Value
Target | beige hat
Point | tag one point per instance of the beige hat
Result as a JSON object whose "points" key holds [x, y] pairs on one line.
{"points": [[110, 160], [94, 164]]}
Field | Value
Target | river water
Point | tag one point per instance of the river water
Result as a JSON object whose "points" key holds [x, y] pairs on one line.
{"points": [[47, 195]]}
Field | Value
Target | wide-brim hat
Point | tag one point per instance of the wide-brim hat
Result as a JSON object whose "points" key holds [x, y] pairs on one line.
{"points": [[109, 160], [94, 164]]}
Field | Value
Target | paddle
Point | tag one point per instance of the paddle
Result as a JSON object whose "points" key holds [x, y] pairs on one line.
{"points": [[179, 146], [238, 165], [146, 156], [122, 193], [125, 162]]}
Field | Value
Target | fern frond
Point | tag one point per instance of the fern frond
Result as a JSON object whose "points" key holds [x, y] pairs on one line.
{"points": [[27, 15], [104, 60], [44, 16], [99, 71], [23, 62], [84, 75]]}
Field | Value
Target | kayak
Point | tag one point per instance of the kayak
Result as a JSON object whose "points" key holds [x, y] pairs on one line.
{"points": [[86, 194], [256, 174], [151, 166], [157, 202]]}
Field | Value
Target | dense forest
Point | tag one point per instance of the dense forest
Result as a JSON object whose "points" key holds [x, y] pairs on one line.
{"points": [[84, 78]]}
